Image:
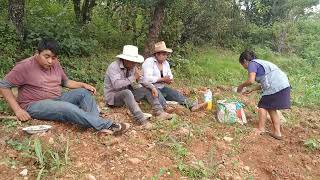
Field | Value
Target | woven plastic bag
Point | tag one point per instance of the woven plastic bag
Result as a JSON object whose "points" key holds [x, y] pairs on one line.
{"points": [[231, 111]]}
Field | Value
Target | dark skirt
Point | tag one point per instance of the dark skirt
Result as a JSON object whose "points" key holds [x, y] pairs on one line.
{"points": [[279, 100]]}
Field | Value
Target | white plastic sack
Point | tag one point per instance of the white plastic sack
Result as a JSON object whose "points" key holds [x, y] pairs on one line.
{"points": [[230, 111]]}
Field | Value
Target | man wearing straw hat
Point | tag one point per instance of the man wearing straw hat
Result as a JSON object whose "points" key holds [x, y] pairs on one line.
{"points": [[156, 70], [122, 86]]}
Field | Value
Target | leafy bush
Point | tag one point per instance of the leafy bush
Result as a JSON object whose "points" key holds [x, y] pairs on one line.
{"points": [[53, 20], [9, 41]]}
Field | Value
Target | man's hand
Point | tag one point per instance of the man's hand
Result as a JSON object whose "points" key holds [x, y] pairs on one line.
{"points": [[22, 115], [154, 92], [167, 80], [137, 74], [90, 88]]}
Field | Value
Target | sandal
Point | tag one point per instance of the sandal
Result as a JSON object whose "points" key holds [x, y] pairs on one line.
{"points": [[119, 128], [275, 136]]}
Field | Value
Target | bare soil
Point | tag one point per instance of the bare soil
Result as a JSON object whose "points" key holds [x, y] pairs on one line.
{"points": [[191, 146]]}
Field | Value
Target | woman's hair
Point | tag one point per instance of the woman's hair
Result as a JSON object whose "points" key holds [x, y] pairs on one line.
{"points": [[247, 55]]}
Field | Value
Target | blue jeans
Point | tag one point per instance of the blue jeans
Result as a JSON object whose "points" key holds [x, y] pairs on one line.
{"points": [[169, 94], [76, 106]]}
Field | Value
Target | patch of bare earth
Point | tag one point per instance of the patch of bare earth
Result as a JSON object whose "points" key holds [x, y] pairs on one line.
{"points": [[195, 140]]}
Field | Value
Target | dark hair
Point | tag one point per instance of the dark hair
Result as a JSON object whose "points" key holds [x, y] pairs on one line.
{"points": [[247, 55], [48, 44]]}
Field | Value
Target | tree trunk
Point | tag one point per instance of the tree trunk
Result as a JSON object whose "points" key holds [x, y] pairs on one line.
{"points": [[83, 14], [77, 9], [155, 27], [16, 16], [86, 10]]}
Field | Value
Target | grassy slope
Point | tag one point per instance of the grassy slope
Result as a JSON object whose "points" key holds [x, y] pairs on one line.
{"points": [[219, 67], [206, 67]]}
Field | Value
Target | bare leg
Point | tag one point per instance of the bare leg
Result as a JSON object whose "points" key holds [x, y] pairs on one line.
{"points": [[262, 120], [275, 121]]}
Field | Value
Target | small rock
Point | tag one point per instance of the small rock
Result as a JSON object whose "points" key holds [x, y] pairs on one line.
{"points": [[112, 168], [308, 168], [134, 160], [221, 166], [185, 132], [84, 144], [62, 138], [236, 178], [150, 146], [119, 150], [90, 177], [228, 139], [51, 141], [247, 168], [112, 142], [133, 132], [24, 172]]}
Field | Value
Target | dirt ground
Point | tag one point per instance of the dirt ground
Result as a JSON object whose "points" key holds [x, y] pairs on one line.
{"points": [[191, 146]]}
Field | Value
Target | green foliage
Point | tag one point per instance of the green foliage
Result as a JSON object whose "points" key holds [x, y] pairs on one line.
{"points": [[179, 150], [161, 172], [39, 154], [55, 20], [49, 158], [9, 41], [221, 67], [20, 146], [312, 144], [196, 170], [218, 67]]}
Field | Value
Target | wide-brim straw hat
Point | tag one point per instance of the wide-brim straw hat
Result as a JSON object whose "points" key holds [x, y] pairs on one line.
{"points": [[130, 53], [161, 47]]}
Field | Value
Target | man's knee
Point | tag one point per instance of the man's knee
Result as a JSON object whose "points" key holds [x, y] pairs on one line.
{"points": [[144, 90], [127, 94], [83, 91]]}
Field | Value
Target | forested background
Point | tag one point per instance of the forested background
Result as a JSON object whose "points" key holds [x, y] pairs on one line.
{"points": [[91, 32], [207, 37], [84, 27]]}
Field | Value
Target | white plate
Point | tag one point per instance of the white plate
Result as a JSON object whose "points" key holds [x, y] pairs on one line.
{"points": [[37, 129], [147, 115], [172, 102]]}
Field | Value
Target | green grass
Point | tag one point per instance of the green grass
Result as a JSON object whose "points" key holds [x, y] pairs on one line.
{"points": [[203, 67], [312, 144], [210, 67]]}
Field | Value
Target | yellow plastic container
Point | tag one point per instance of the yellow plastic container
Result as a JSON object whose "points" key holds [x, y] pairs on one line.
{"points": [[209, 105]]}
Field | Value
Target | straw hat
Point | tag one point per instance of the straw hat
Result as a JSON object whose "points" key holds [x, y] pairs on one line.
{"points": [[161, 47], [130, 53]]}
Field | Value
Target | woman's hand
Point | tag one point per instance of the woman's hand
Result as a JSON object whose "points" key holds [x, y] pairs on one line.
{"points": [[240, 89], [248, 91]]}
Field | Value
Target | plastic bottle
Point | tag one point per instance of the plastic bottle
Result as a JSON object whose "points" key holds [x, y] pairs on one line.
{"points": [[208, 99]]}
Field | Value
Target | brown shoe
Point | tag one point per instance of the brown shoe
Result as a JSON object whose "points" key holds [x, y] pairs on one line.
{"points": [[164, 116]]}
